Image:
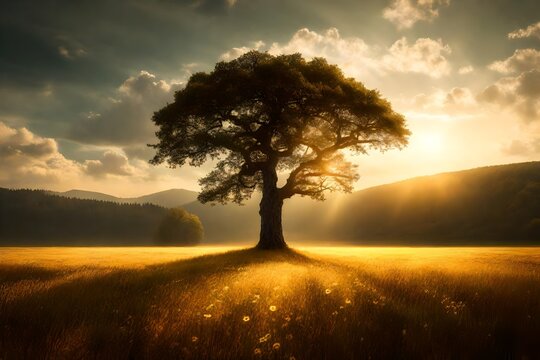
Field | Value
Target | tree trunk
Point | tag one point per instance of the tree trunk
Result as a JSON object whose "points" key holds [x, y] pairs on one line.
{"points": [[271, 236]]}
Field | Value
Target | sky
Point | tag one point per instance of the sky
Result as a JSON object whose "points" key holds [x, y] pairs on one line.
{"points": [[80, 80]]}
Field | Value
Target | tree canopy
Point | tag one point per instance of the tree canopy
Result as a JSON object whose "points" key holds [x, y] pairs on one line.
{"points": [[262, 115], [179, 227]]}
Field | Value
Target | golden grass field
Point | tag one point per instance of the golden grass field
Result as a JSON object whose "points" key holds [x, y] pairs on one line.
{"points": [[229, 303]]}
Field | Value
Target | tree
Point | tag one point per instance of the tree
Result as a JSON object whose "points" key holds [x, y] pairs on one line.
{"points": [[179, 227], [262, 115]]}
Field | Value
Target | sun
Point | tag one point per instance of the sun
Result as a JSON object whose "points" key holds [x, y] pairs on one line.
{"points": [[430, 142]]}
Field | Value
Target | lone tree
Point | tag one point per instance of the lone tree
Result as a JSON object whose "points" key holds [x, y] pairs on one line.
{"points": [[180, 228], [262, 115]]}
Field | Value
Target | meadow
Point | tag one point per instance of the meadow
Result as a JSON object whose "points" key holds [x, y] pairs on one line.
{"points": [[234, 303]]}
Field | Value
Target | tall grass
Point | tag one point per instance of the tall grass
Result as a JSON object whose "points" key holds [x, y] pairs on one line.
{"points": [[317, 304]]}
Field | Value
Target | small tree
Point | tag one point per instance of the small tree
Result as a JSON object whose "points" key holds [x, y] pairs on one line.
{"points": [[260, 115], [179, 227]]}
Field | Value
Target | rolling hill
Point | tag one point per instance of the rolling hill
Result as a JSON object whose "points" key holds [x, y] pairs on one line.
{"points": [[168, 198], [488, 205], [496, 204]]}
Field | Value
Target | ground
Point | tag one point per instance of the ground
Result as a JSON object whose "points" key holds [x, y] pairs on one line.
{"points": [[232, 303]]}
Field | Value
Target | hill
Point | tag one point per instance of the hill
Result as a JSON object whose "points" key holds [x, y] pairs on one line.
{"points": [[488, 205], [33, 217], [168, 198], [88, 195], [497, 204]]}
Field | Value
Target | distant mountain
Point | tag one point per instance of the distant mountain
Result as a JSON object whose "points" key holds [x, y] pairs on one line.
{"points": [[168, 198], [87, 195]]}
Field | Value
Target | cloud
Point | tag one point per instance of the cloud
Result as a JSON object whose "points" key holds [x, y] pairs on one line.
{"points": [[359, 59], [522, 148], [521, 60], [458, 102], [405, 13], [519, 93], [70, 53], [530, 31], [27, 159], [460, 96], [425, 56], [465, 70], [111, 163], [516, 148], [352, 54], [127, 119], [238, 51]]}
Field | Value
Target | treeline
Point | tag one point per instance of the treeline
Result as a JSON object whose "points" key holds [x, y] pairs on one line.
{"points": [[491, 205], [37, 218]]}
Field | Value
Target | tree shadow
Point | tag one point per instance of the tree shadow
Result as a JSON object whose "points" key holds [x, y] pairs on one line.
{"points": [[107, 302]]}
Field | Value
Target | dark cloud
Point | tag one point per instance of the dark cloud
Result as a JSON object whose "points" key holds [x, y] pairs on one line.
{"points": [[205, 6], [520, 93]]}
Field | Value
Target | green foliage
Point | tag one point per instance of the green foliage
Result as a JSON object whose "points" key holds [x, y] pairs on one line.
{"points": [[261, 114], [179, 227]]}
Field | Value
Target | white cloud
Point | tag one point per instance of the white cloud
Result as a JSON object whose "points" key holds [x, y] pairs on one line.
{"points": [[405, 13], [359, 59], [238, 51], [127, 119], [111, 163], [465, 70], [425, 56], [352, 54], [521, 60], [456, 103], [460, 96], [27, 159], [530, 31]]}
